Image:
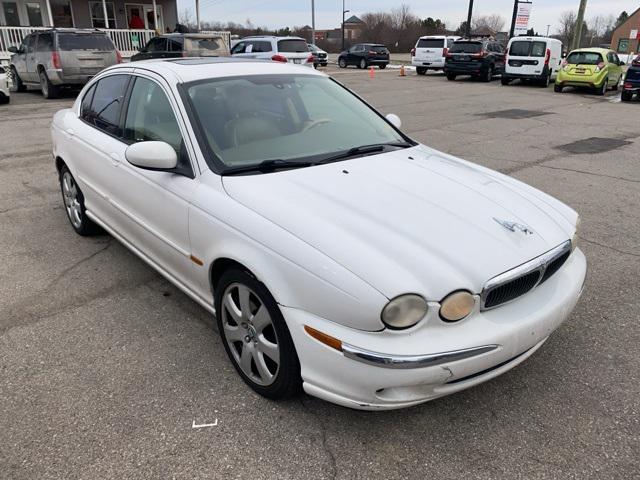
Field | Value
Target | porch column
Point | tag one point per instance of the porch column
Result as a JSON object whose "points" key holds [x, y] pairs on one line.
{"points": [[49, 13], [104, 10], [198, 15], [155, 18]]}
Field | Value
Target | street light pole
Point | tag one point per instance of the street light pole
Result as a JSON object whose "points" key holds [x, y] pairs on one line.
{"points": [[343, 12], [513, 18], [313, 23], [548, 27], [467, 32]]}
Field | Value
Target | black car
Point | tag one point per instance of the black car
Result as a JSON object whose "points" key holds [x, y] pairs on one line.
{"points": [[631, 84], [320, 57], [479, 58], [174, 45], [363, 55]]}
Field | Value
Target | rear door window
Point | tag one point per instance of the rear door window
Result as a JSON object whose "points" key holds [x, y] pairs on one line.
{"points": [[466, 47], [45, 42], [106, 104], [431, 43], [260, 46], [174, 45], [292, 46], [71, 41], [584, 58], [157, 45], [379, 49]]}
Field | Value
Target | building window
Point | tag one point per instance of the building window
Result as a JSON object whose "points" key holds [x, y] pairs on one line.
{"points": [[623, 45], [61, 13], [34, 14], [11, 17], [97, 15]]}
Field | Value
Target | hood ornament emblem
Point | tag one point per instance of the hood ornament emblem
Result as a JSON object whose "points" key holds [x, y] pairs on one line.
{"points": [[514, 227]]}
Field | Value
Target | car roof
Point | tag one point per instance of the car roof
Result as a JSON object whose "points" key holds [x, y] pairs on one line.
{"points": [[595, 50], [439, 36], [190, 35], [534, 38], [272, 37], [183, 70]]}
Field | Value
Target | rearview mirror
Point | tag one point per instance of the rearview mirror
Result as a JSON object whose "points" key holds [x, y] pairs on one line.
{"points": [[152, 155], [394, 120], [12, 49]]}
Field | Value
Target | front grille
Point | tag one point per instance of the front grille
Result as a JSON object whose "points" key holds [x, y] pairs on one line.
{"points": [[511, 290], [516, 282]]}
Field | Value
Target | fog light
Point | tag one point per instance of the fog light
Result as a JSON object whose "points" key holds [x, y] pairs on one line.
{"points": [[457, 306], [404, 311]]}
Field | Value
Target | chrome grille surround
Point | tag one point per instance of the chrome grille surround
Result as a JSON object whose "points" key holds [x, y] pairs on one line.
{"points": [[537, 265]]}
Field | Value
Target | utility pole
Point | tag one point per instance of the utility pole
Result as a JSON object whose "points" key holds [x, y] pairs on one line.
{"points": [[313, 22], [513, 18], [548, 27], [577, 35], [467, 32], [343, 12]]}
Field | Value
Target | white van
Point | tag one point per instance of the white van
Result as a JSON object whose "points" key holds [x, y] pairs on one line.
{"points": [[532, 58], [430, 52]]}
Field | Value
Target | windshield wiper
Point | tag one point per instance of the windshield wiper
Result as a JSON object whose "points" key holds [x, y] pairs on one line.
{"points": [[363, 150], [267, 166]]}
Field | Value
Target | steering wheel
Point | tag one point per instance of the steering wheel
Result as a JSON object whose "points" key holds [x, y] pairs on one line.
{"points": [[314, 123]]}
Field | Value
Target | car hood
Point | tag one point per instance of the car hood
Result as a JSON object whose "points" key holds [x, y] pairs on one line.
{"points": [[412, 220]]}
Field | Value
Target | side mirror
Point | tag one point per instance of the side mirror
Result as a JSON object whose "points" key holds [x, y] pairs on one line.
{"points": [[622, 62], [394, 120], [12, 49], [152, 155]]}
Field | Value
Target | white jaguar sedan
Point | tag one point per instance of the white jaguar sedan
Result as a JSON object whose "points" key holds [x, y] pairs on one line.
{"points": [[337, 254]]}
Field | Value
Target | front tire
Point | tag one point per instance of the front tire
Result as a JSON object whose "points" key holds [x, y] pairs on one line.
{"points": [[362, 64], [74, 204], [505, 80], [255, 336], [342, 63], [558, 88], [49, 90], [16, 82], [382, 66]]}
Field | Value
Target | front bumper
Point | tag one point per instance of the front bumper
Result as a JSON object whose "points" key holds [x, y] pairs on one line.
{"points": [[434, 358]]}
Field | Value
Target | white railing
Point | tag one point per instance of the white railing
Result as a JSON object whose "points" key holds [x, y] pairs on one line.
{"points": [[126, 41]]}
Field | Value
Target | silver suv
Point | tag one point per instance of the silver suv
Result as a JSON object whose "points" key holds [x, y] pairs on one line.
{"points": [[57, 58]]}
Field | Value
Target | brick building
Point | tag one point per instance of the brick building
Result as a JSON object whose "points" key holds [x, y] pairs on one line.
{"points": [[622, 40]]}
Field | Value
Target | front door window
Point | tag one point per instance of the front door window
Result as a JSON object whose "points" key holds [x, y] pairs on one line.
{"points": [[11, 17]]}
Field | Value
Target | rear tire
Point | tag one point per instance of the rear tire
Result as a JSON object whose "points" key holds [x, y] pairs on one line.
{"points": [[626, 96], [421, 70], [382, 67], [546, 81], [362, 64], [49, 90], [4, 99], [558, 88], [451, 77], [602, 90], [615, 87], [74, 204], [255, 336], [17, 85], [505, 80], [489, 75]]}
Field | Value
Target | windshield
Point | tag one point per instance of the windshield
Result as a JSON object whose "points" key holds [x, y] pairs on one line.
{"points": [[466, 47], [292, 46], [247, 120], [71, 41], [525, 48], [584, 58]]}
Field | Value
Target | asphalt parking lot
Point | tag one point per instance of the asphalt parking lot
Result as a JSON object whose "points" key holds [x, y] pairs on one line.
{"points": [[106, 367]]}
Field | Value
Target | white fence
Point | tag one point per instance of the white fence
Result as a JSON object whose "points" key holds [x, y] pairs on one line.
{"points": [[126, 41]]}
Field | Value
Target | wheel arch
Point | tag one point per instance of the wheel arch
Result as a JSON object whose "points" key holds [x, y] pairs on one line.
{"points": [[60, 163], [222, 264]]}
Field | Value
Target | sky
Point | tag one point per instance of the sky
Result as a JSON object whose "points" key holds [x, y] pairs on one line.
{"points": [[282, 13]]}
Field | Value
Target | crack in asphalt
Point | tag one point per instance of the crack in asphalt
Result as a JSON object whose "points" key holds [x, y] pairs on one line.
{"points": [[66, 271], [42, 152], [325, 445], [623, 252], [632, 180]]}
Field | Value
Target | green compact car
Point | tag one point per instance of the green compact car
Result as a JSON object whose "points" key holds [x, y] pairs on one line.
{"points": [[596, 68]]}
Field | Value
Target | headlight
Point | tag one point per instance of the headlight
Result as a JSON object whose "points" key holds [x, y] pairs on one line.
{"points": [[574, 239], [456, 306], [404, 311]]}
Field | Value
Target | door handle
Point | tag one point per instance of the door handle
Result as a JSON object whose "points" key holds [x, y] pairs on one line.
{"points": [[71, 132], [115, 158]]}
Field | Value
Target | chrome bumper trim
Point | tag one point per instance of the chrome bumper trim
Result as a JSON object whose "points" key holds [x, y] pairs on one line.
{"points": [[412, 361]]}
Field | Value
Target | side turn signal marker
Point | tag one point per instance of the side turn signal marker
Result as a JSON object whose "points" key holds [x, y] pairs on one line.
{"points": [[196, 260], [324, 338]]}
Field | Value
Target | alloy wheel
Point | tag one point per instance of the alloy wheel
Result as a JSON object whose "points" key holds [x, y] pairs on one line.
{"points": [[71, 200], [250, 334]]}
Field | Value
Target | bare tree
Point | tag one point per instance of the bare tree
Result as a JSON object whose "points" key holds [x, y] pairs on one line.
{"points": [[567, 23], [487, 24]]}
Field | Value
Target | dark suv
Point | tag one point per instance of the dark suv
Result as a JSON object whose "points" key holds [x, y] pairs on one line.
{"points": [[364, 54], [479, 58], [631, 84], [174, 45]]}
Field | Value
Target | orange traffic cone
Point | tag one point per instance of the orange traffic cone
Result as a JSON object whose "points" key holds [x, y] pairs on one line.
{"points": [[402, 72], [371, 73]]}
